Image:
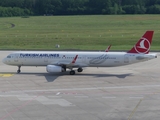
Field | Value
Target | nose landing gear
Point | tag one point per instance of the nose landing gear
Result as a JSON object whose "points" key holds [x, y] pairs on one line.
{"points": [[19, 69]]}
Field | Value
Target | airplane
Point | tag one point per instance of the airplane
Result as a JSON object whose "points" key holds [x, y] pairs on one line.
{"points": [[60, 61]]}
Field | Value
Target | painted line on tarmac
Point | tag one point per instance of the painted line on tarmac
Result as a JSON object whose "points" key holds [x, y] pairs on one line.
{"points": [[109, 97], [6, 75], [92, 88], [134, 110], [136, 97], [81, 96]]}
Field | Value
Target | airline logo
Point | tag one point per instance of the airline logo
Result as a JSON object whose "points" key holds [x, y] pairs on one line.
{"points": [[32, 55], [143, 46]]}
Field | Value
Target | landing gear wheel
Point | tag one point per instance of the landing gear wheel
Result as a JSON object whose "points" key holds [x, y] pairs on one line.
{"points": [[79, 69], [19, 69], [72, 72]]}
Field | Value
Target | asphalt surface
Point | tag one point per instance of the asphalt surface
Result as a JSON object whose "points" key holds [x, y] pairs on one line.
{"points": [[121, 93]]}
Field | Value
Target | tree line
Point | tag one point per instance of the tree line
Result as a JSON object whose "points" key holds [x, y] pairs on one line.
{"points": [[10, 8]]}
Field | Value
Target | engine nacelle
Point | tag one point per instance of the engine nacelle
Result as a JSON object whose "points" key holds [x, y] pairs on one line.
{"points": [[53, 68]]}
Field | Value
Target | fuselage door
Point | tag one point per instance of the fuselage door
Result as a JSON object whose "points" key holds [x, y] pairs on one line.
{"points": [[16, 57]]}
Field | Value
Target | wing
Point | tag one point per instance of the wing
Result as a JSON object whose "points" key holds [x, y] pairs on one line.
{"points": [[67, 63], [71, 64]]}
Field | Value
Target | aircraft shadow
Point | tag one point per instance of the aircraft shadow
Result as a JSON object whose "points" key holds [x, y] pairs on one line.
{"points": [[109, 75], [52, 77]]}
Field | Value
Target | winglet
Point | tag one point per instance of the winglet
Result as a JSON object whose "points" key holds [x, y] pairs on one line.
{"points": [[108, 48], [74, 60], [143, 45]]}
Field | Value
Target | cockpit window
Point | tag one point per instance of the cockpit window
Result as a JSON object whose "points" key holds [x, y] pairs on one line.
{"points": [[9, 56]]}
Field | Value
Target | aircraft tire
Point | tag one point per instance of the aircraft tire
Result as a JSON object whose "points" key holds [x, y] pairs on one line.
{"points": [[18, 71], [72, 72], [79, 69]]}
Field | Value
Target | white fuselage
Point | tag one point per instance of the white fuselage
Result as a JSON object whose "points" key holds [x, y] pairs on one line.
{"points": [[84, 59]]}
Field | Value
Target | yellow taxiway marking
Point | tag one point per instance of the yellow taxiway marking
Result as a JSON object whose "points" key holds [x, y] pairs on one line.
{"points": [[6, 75], [134, 110]]}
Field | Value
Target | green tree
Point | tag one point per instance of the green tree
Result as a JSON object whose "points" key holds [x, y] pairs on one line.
{"points": [[154, 9], [130, 9], [116, 8]]}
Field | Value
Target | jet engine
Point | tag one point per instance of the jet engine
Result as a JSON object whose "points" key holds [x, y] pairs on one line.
{"points": [[54, 68]]}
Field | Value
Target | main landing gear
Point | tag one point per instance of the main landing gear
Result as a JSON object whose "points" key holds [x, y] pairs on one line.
{"points": [[19, 69], [79, 69], [72, 72]]}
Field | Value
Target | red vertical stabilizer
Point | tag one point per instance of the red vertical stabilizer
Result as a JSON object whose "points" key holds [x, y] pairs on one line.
{"points": [[143, 45]]}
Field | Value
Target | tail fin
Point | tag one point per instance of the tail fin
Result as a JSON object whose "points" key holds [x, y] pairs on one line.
{"points": [[143, 45]]}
